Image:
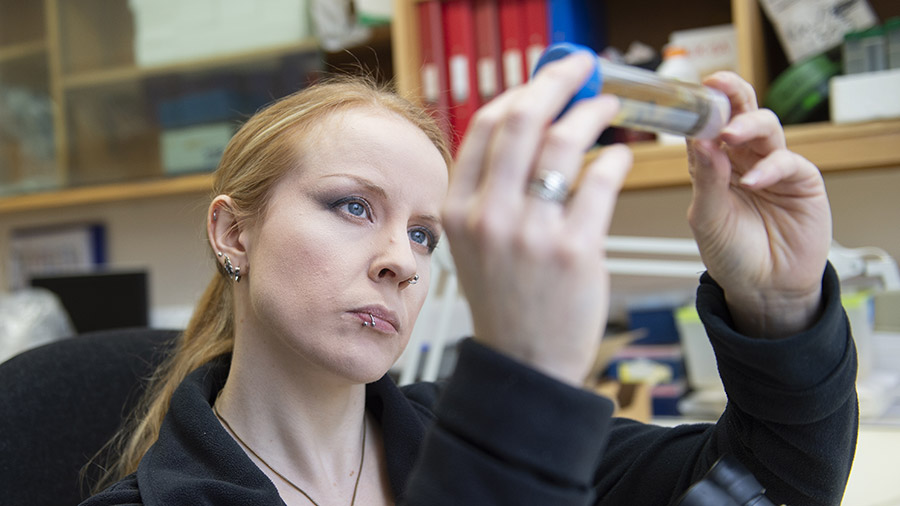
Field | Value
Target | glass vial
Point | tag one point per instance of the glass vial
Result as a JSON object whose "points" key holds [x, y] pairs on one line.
{"points": [[852, 53], [892, 35], [648, 101]]}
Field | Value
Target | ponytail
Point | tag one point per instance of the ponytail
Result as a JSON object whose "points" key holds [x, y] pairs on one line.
{"points": [[209, 334]]}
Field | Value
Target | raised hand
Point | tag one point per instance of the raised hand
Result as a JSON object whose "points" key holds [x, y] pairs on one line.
{"points": [[760, 216], [530, 254]]}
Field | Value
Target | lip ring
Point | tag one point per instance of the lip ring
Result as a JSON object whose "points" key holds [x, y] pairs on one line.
{"points": [[378, 312]]}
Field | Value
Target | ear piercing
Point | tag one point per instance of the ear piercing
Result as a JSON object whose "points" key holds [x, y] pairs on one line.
{"points": [[370, 324], [232, 271]]}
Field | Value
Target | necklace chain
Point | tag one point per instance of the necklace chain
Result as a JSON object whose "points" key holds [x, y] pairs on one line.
{"points": [[362, 458]]}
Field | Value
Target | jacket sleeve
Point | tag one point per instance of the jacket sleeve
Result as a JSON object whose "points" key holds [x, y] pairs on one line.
{"points": [[791, 417], [506, 434]]}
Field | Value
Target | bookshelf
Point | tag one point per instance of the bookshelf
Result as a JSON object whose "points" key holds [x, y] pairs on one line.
{"points": [[64, 52], [99, 133], [831, 147]]}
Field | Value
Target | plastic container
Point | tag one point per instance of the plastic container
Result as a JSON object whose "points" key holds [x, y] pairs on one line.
{"points": [[892, 36], [800, 93], [648, 101], [852, 53], [874, 49], [676, 65]]}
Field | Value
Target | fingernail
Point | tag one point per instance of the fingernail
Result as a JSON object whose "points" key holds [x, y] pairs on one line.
{"points": [[750, 178], [732, 130]]}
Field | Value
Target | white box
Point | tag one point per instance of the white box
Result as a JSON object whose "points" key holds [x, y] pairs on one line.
{"points": [[865, 97], [709, 48], [169, 31]]}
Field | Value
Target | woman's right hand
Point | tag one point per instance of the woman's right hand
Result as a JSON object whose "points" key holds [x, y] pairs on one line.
{"points": [[533, 269]]}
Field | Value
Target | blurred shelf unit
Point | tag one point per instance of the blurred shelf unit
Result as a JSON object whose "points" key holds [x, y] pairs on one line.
{"points": [[98, 103], [759, 60], [22, 51], [89, 124]]}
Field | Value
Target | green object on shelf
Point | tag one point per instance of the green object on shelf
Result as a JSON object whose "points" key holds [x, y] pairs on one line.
{"points": [[800, 93], [195, 148]]}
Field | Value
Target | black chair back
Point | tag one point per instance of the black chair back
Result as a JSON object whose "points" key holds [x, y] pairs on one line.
{"points": [[61, 402]]}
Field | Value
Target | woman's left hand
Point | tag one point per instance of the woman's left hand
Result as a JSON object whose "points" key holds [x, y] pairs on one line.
{"points": [[761, 218], [532, 265]]}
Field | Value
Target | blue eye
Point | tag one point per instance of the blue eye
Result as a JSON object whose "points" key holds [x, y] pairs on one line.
{"points": [[356, 209], [424, 237], [354, 206]]}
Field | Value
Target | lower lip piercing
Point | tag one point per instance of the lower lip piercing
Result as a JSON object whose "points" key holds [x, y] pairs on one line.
{"points": [[370, 324]]}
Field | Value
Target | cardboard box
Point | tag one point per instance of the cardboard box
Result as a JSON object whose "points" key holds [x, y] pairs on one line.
{"points": [[809, 27], [169, 31]]}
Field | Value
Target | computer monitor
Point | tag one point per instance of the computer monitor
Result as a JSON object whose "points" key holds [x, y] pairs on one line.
{"points": [[101, 300]]}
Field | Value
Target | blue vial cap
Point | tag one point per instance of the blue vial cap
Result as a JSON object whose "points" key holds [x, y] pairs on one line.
{"points": [[591, 87]]}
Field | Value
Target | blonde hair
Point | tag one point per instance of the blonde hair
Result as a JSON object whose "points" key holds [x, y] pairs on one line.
{"points": [[263, 150]]}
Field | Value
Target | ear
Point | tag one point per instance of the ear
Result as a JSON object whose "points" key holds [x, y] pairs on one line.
{"points": [[224, 232]]}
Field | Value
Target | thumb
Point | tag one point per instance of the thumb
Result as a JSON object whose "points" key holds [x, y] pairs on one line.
{"points": [[710, 170]]}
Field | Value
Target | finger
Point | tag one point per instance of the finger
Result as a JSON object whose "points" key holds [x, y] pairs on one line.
{"points": [[739, 92], [710, 179], [515, 143], [760, 130], [783, 166], [591, 205], [471, 158], [567, 140]]}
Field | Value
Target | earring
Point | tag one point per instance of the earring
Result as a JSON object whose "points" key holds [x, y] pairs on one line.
{"points": [[231, 270], [215, 215], [413, 280]]}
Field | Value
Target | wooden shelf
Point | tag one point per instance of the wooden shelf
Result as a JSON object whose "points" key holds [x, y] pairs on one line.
{"points": [[116, 192], [23, 50], [135, 73], [831, 147]]}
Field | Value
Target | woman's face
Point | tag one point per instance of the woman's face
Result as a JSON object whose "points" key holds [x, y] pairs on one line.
{"points": [[342, 235]]}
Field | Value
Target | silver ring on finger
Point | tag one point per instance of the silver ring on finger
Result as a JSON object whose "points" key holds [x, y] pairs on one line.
{"points": [[549, 185]]}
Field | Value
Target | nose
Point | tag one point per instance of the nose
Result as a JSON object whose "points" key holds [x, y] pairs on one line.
{"points": [[394, 259]]}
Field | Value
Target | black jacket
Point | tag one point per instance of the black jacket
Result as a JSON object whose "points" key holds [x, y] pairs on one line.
{"points": [[501, 433]]}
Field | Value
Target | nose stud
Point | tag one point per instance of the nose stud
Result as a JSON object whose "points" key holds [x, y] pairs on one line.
{"points": [[413, 280]]}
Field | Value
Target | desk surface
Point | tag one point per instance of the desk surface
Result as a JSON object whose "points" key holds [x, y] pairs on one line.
{"points": [[874, 479]]}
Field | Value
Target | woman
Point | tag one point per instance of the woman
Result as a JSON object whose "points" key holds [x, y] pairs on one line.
{"points": [[328, 205]]}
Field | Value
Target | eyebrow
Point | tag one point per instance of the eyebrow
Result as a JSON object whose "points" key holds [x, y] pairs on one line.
{"points": [[369, 185], [434, 221]]}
